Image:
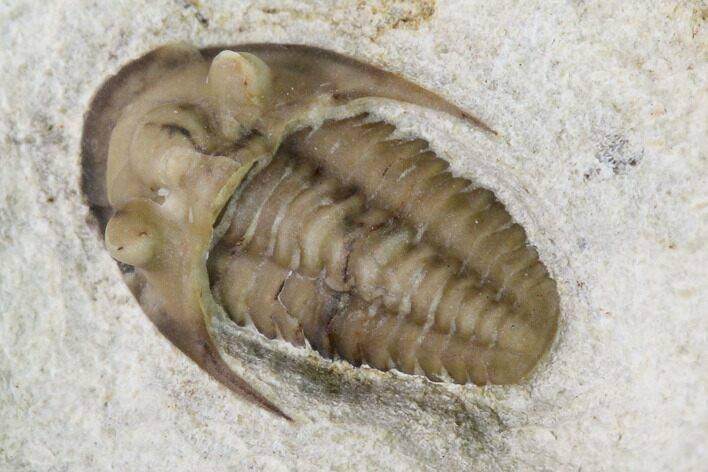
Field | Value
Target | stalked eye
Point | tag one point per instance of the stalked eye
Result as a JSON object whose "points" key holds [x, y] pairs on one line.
{"points": [[287, 207]]}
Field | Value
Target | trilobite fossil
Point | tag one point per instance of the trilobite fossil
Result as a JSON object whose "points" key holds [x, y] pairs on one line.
{"points": [[250, 181]]}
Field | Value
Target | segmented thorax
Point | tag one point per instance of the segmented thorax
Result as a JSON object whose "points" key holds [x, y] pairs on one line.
{"points": [[372, 251], [230, 192]]}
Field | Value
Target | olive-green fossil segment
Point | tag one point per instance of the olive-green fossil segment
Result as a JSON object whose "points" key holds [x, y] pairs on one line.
{"points": [[345, 240], [228, 189]]}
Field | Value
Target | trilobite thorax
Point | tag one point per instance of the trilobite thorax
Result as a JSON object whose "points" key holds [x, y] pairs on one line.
{"points": [[232, 191]]}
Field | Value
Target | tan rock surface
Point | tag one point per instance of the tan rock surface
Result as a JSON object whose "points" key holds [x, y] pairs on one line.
{"points": [[603, 114]]}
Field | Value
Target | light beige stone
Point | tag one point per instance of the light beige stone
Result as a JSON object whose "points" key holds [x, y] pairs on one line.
{"points": [[601, 112]]}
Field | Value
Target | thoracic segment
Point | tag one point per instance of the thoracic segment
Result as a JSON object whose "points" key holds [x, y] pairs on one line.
{"points": [[369, 249]]}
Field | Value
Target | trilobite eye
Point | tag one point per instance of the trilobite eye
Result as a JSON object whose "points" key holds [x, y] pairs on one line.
{"points": [[233, 191]]}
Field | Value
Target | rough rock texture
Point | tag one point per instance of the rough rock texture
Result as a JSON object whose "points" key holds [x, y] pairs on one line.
{"points": [[603, 114]]}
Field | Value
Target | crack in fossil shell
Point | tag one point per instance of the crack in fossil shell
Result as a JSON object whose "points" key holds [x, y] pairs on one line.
{"points": [[229, 190]]}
